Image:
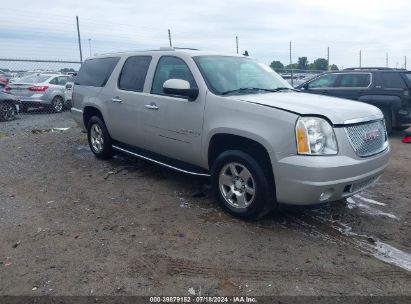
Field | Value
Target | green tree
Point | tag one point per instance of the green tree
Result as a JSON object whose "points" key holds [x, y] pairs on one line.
{"points": [[276, 65], [333, 67], [245, 53], [293, 66], [320, 64], [302, 63]]}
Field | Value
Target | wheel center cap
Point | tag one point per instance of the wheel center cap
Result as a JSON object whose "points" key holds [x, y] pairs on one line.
{"points": [[238, 184]]}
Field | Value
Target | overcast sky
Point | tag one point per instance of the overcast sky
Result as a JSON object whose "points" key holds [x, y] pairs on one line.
{"points": [[47, 29]]}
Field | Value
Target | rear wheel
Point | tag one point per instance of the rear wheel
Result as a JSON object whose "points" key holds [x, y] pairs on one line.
{"points": [[57, 104], [98, 138], [7, 111], [242, 187]]}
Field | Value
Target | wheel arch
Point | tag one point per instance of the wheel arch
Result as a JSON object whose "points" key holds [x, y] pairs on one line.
{"points": [[220, 142]]}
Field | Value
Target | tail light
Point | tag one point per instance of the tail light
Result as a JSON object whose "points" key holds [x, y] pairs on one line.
{"points": [[38, 88], [7, 88]]}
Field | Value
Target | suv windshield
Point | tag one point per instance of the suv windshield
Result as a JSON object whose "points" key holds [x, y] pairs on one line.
{"points": [[240, 75]]}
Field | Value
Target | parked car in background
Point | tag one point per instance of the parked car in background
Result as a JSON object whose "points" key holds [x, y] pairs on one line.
{"points": [[388, 89], [234, 119], [68, 91], [9, 106], [40, 90]]}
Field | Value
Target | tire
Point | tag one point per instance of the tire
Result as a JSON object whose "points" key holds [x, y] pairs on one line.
{"points": [[231, 187], [7, 111], [57, 104], [401, 128], [388, 119], [99, 139]]}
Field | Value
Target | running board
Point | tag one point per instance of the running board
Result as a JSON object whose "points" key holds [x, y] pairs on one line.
{"points": [[193, 170]]}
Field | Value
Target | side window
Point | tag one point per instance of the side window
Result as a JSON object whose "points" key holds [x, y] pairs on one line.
{"points": [[355, 80], [133, 74], [54, 81], [170, 68], [62, 80], [324, 81], [96, 72], [392, 81]]}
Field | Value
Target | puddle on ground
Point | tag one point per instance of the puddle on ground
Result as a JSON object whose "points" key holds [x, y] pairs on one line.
{"points": [[368, 200], [364, 208], [320, 222]]}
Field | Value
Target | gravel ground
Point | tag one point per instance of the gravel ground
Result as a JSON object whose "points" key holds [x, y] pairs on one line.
{"points": [[75, 225]]}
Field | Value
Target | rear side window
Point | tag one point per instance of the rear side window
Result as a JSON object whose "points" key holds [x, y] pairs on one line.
{"points": [[408, 76], [324, 81], [392, 81], [133, 74], [355, 80], [96, 72]]}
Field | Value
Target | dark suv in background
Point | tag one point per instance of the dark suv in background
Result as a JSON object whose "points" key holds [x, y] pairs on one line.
{"points": [[385, 88]]}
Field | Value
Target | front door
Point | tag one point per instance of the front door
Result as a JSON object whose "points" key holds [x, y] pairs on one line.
{"points": [[173, 124]]}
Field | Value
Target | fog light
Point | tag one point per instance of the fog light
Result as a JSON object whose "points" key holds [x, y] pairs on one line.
{"points": [[326, 194]]}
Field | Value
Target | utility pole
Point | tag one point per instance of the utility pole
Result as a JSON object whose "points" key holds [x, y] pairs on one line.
{"points": [[79, 41], [291, 62], [236, 43], [89, 45], [360, 58], [328, 58], [169, 38], [386, 60]]}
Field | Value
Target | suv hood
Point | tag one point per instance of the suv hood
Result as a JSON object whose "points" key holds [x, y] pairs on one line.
{"points": [[337, 110]]}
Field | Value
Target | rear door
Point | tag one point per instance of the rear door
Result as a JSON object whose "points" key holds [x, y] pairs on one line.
{"points": [[352, 85], [125, 105]]}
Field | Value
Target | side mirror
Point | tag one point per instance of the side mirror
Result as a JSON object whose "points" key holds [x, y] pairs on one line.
{"points": [[180, 87], [305, 86]]}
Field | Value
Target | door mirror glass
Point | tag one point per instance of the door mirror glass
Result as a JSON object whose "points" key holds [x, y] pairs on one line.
{"points": [[180, 87]]}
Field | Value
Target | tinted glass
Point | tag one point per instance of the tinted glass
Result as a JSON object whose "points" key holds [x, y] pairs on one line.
{"points": [[96, 72], [53, 81], [355, 80], [33, 79], [324, 81], [171, 68], [134, 73], [408, 75], [392, 80], [226, 73]]}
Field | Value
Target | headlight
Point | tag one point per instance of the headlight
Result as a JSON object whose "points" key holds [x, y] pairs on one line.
{"points": [[315, 136]]}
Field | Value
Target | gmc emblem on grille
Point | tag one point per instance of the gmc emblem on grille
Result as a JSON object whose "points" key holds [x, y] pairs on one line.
{"points": [[371, 135]]}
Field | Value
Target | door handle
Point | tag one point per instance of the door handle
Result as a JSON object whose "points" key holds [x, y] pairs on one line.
{"points": [[151, 106], [116, 99]]}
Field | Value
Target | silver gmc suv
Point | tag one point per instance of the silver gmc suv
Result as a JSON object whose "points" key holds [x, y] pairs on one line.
{"points": [[233, 119]]}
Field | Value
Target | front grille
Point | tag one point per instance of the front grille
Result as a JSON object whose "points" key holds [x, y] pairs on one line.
{"points": [[368, 138]]}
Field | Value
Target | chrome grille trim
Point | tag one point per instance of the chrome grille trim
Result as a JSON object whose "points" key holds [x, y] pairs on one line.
{"points": [[368, 138]]}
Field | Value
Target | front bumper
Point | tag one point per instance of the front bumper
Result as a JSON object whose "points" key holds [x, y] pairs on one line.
{"points": [[309, 180]]}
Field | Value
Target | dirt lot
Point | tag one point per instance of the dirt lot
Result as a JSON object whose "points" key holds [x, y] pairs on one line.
{"points": [[74, 225]]}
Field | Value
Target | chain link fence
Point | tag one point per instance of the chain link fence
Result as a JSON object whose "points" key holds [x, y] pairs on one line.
{"points": [[36, 86]]}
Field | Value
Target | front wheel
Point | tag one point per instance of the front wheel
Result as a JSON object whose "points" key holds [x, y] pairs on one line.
{"points": [[7, 111], [98, 138], [242, 187]]}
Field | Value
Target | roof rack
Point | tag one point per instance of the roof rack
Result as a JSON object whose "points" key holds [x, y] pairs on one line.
{"points": [[372, 68]]}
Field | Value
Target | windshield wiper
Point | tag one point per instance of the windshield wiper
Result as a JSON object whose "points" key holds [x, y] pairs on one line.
{"points": [[257, 89], [247, 89]]}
